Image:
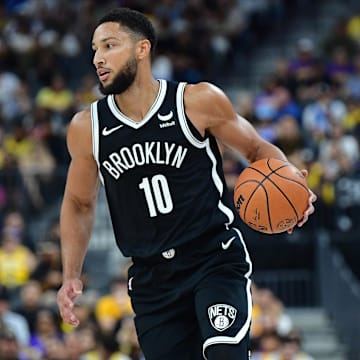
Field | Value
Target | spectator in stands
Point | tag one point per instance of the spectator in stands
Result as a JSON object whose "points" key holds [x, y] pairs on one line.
{"points": [[48, 271], [289, 135], [269, 346], [245, 106], [10, 85], [16, 146], [338, 37], [30, 302], [9, 347], [56, 97], [47, 332], [20, 35], [339, 69], [291, 347], [112, 307], [352, 84], [85, 343], [13, 321], [37, 168], [47, 127], [306, 69], [268, 315], [16, 103], [128, 340], [320, 113], [86, 92], [353, 27], [16, 261]]}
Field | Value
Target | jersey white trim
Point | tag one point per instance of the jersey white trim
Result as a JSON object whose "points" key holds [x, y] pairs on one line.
{"points": [[182, 118], [95, 135], [201, 144], [245, 328], [154, 108]]}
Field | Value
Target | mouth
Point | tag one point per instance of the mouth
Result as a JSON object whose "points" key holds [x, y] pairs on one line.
{"points": [[103, 74]]}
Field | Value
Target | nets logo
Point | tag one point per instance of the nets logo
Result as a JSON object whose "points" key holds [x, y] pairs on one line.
{"points": [[221, 316]]}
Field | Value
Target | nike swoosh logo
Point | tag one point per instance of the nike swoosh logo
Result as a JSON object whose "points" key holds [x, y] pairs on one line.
{"points": [[166, 117], [226, 245], [107, 131]]}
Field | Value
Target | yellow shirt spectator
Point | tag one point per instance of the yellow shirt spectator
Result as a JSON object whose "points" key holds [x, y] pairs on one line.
{"points": [[112, 307], [56, 97]]}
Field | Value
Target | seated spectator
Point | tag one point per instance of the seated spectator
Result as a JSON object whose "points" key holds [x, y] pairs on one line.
{"points": [[339, 69], [352, 84], [37, 168], [291, 347], [85, 344], [13, 321], [57, 96], [111, 308], [32, 159], [16, 261], [269, 346], [353, 27], [48, 271], [306, 69], [47, 332], [86, 93], [268, 316], [9, 347], [128, 341], [30, 302], [10, 85], [324, 110], [338, 36]]}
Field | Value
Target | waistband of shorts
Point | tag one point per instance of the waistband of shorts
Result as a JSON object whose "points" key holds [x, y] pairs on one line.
{"points": [[191, 247], [166, 255]]}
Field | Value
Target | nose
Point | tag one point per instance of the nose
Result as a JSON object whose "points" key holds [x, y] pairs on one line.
{"points": [[98, 59]]}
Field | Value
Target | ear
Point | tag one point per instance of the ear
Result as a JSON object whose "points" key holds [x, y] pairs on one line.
{"points": [[143, 49]]}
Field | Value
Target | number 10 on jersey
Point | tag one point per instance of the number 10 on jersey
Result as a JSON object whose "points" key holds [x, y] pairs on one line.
{"points": [[157, 195]]}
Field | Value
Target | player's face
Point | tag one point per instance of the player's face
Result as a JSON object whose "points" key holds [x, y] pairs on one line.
{"points": [[114, 58]]}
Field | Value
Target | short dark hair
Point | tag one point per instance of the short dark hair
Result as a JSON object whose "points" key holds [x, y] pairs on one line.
{"points": [[135, 21]]}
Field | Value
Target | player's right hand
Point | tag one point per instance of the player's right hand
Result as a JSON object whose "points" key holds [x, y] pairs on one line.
{"points": [[66, 296]]}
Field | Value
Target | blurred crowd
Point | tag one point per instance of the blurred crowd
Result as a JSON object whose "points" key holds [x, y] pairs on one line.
{"points": [[309, 105]]}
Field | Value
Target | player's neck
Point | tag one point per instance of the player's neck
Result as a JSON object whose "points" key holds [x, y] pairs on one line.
{"points": [[136, 102]]}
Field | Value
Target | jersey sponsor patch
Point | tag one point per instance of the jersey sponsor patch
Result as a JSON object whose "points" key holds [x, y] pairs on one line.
{"points": [[221, 316], [166, 117]]}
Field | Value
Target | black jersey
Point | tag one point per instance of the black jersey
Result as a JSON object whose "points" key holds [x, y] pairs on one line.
{"points": [[163, 181]]}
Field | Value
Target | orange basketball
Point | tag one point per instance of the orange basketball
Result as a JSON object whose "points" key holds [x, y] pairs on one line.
{"points": [[271, 195]]}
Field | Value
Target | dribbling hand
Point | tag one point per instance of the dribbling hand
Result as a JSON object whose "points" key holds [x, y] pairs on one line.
{"points": [[310, 209], [67, 294]]}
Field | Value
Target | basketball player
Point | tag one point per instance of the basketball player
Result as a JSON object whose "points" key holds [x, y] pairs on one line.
{"points": [[153, 145]]}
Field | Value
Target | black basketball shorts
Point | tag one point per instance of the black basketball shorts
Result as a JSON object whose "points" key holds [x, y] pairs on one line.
{"points": [[191, 299]]}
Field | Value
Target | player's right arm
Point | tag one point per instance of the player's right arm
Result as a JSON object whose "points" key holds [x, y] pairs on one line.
{"points": [[77, 212]]}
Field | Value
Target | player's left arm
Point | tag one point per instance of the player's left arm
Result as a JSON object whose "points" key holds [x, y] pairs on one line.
{"points": [[209, 109]]}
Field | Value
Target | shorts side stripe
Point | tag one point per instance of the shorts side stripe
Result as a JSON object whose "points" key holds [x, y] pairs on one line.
{"points": [[245, 328]]}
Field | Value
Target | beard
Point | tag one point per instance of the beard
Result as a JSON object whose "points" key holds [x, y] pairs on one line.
{"points": [[123, 79]]}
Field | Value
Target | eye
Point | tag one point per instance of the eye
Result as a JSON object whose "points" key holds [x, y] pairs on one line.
{"points": [[110, 46]]}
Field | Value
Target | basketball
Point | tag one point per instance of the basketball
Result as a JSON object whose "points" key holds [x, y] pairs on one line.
{"points": [[271, 195]]}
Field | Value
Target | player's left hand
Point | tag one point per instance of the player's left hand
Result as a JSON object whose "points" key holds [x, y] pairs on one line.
{"points": [[310, 209]]}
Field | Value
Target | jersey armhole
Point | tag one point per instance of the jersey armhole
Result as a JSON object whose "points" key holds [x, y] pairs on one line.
{"points": [[188, 128], [95, 136]]}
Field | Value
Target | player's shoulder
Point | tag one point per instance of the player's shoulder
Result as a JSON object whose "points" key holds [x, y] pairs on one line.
{"points": [[203, 90], [81, 117], [81, 120], [204, 96], [80, 124]]}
